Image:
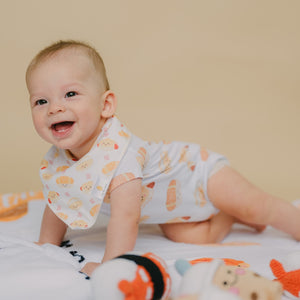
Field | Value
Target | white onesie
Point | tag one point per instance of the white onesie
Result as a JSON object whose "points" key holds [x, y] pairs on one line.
{"points": [[174, 178]]}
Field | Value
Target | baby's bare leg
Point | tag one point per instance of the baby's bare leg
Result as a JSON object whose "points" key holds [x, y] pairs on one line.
{"points": [[210, 231], [235, 196]]}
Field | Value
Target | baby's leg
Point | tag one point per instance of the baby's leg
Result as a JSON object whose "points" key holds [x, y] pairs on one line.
{"points": [[235, 196], [210, 231]]}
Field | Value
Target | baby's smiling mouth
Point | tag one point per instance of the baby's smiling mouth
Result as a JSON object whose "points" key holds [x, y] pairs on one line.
{"points": [[62, 126]]}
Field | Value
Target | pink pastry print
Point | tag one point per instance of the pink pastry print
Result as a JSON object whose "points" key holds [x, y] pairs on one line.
{"points": [[199, 195], [65, 181], [147, 193], [165, 162], [173, 195]]}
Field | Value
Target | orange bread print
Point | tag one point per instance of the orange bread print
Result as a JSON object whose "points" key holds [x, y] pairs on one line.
{"points": [[62, 168], [87, 187], [204, 154], [79, 224], [141, 158], [178, 220], [94, 210], [53, 197], [65, 181], [108, 145], [109, 167], [44, 164], [173, 195], [144, 218], [120, 179], [199, 196], [123, 134], [47, 176], [183, 154], [62, 216], [147, 193], [165, 162], [74, 203], [82, 166]]}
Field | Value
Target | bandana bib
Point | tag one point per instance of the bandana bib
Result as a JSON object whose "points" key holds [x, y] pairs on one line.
{"points": [[75, 189]]}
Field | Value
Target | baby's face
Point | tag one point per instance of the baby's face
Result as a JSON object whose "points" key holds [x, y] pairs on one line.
{"points": [[66, 100]]}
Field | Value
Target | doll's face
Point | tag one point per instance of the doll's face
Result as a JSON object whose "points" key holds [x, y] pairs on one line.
{"points": [[246, 284]]}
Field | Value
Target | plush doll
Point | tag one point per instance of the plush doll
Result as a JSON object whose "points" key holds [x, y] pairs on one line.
{"points": [[287, 273], [215, 280], [132, 277]]}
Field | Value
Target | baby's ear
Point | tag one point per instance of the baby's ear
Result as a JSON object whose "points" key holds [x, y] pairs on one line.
{"points": [[109, 104]]}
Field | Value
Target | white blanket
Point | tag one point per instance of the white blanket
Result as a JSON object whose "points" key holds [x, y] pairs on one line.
{"points": [[28, 271]]}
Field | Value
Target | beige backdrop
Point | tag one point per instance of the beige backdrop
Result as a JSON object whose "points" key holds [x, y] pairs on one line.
{"points": [[221, 73]]}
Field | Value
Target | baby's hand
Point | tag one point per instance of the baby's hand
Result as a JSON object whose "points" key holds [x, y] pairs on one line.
{"points": [[38, 243], [89, 268]]}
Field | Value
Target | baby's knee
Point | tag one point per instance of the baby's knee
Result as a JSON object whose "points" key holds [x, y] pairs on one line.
{"points": [[191, 233], [173, 232], [255, 213]]}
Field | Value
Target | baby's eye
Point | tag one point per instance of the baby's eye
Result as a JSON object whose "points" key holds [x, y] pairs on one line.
{"points": [[70, 94], [41, 102]]}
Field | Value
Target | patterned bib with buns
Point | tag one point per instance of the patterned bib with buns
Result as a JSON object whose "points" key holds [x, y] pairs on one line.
{"points": [[75, 189]]}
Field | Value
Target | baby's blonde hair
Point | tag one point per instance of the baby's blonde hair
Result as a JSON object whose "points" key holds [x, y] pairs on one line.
{"points": [[64, 44]]}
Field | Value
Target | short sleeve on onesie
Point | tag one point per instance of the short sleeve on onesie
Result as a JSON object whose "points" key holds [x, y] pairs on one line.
{"points": [[130, 167]]}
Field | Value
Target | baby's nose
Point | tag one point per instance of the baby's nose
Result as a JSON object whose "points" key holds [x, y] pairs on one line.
{"points": [[56, 108]]}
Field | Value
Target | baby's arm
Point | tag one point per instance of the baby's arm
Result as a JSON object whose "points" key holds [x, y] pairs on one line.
{"points": [[52, 229], [123, 225], [122, 228]]}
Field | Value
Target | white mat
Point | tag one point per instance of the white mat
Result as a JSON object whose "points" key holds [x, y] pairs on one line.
{"points": [[32, 272]]}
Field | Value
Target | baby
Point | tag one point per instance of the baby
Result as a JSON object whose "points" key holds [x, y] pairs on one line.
{"points": [[97, 165]]}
